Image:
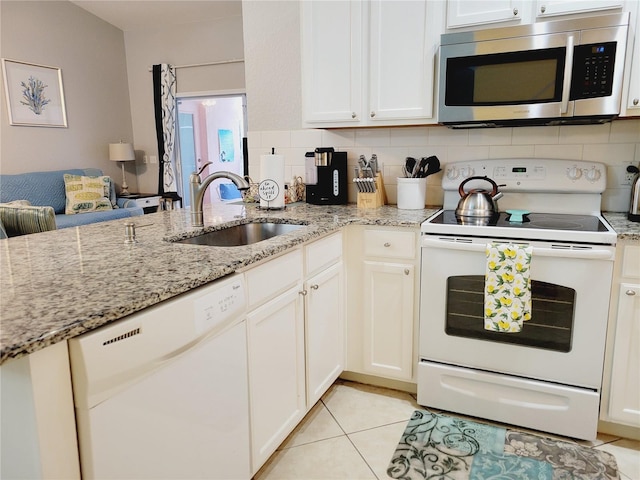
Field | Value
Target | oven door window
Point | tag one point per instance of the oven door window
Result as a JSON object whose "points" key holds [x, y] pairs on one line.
{"points": [[550, 326], [526, 77]]}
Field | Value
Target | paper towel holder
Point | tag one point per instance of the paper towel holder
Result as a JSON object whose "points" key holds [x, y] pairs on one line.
{"points": [[269, 188]]}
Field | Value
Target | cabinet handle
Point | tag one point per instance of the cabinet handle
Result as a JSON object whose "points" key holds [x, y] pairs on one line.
{"points": [[387, 244], [353, 115], [373, 114], [515, 12], [407, 271], [314, 287], [636, 101], [543, 9], [303, 293], [631, 293]]}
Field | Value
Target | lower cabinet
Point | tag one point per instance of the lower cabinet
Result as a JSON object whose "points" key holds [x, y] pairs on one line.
{"points": [[388, 307], [276, 373], [295, 339], [382, 304], [324, 321], [621, 396]]}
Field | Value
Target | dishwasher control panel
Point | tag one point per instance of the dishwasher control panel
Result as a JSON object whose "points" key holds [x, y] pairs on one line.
{"points": [[220, 304]]}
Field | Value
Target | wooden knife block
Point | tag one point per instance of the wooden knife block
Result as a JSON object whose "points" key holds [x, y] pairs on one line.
{"points": [[375, 199]]}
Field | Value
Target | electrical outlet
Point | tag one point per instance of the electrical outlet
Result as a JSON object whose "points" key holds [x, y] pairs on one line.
{"points": [[153, 159], [627, 177]]}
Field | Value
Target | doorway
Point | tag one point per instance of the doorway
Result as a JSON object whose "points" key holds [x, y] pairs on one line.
{"points": [[212, 128]]}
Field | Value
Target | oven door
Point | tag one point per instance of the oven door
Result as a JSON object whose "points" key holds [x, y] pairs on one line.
{"points": [[564, 340]]}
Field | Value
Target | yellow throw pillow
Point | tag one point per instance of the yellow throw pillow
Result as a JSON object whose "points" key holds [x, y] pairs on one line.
{"points": [[86, 194]]}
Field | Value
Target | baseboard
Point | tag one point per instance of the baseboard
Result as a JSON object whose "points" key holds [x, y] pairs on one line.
{"points": [[408, 387], [618, 430]]}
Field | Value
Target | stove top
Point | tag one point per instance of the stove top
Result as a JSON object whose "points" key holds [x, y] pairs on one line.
{"points": [[563, 196], [534, 226]]}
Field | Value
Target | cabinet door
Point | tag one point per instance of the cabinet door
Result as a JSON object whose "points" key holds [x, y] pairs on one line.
{"points": [[331, 61], [276, 373], [462, 13], [401, 61], [624, 401], [547, 8], [388, 311], [632, 95], [324, 331]]}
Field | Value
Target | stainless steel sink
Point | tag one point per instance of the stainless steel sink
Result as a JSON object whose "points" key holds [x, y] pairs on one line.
{"points": [[243, 234]]}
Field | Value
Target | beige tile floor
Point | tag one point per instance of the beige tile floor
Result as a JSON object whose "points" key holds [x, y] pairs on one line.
{"points": [[352, 432]]}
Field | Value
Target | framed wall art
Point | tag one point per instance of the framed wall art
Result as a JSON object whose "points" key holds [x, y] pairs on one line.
{"points": [[34, 94]]}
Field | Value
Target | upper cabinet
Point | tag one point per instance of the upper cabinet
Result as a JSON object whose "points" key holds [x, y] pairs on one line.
{"points": [[463, 13], [549, 8], [631, 90], [369, 63]]}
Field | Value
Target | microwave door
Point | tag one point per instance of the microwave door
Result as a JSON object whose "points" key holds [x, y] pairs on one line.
{"points": [[504, 80]]}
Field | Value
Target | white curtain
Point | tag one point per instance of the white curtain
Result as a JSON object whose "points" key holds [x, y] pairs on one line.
{"points": [[164, 93]]}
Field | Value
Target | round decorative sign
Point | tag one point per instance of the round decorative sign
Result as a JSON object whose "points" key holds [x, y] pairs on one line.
{"points": [[268, 190]]}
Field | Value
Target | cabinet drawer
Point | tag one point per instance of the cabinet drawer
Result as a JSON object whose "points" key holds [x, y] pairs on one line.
{"points": [[323, 253], [389, 243], [631, 261], [148, 202], [273, 277]]}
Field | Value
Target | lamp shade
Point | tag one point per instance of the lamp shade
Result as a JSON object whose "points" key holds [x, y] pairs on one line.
{"points": [[121, 152]]}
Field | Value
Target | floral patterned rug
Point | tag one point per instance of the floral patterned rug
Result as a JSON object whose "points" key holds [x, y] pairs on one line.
{"points": [[439, 447]]}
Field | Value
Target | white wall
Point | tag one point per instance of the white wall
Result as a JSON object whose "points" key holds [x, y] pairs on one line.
{"points": [[90, 53], [187, 44]]}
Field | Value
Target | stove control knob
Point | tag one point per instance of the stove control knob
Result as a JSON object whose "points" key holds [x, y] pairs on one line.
{"points": [[574, 173], [453, 173], [593, 175]]}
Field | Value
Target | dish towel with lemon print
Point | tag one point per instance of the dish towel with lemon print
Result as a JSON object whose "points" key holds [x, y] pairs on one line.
{"points": [[507, 292]]}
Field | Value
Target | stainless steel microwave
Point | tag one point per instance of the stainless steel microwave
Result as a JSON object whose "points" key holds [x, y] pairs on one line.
{"points": [[567, 71]]}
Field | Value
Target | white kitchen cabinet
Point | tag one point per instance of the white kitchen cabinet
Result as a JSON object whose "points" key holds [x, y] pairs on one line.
{"points": [[382, 301], [388, 309], [324, 331], [276, 373], [331, 61], [464, 13], [623, 353], [324, 315], [550, 8], [275, 345], [376, 67], [631, 89], [295, 338]]}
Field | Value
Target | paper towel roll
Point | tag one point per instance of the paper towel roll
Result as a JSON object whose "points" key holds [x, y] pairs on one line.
{"points": [[271, 188]]}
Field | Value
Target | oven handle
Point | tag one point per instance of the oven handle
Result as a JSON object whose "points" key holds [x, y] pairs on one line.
{"points": [[588, 253]]}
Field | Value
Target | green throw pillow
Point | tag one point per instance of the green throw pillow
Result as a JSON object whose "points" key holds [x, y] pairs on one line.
{"points": [[86, 194]]}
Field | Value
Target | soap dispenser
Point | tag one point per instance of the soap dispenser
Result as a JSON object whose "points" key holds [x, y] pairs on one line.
{"points": [[634, 204]]}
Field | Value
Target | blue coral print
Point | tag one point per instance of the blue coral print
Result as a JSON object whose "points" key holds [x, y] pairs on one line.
{"points": [[33, 95]]}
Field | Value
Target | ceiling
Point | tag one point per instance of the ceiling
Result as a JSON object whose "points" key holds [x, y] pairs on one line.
{"points": [[130, 15]]}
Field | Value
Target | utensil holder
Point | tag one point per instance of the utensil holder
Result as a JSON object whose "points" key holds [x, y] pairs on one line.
{"points": [[375, 199], [412, 193]]}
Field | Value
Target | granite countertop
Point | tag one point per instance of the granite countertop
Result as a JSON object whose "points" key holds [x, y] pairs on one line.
{"points": [[59, 284], [626, 229]]}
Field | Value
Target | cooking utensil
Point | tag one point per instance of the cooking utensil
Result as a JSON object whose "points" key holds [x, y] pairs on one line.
{"points": [[634, 204], [478, 202], [409, 166]]}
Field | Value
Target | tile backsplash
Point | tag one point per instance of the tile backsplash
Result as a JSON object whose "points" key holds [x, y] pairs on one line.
{"points": [[616, 144]]}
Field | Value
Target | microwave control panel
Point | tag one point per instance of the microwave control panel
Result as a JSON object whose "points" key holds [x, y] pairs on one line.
{"points": [[593, 70]]}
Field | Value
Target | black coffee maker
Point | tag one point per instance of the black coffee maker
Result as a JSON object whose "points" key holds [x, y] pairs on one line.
{"points": [[326, 177]]}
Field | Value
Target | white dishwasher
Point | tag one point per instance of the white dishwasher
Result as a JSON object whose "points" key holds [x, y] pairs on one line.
{"points": [[163, 393]]}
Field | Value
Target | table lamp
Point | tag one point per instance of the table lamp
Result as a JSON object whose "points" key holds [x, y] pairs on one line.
{"points": [[122, 152]]}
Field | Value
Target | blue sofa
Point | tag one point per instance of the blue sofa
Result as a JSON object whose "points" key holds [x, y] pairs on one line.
{"points": [[48, 189]]}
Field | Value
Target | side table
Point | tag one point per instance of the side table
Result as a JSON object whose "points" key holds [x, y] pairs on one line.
{"points": [[150, 202]]}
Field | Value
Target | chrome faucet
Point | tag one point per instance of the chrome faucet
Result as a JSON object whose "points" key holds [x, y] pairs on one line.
{"points": [[197, 187]]}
